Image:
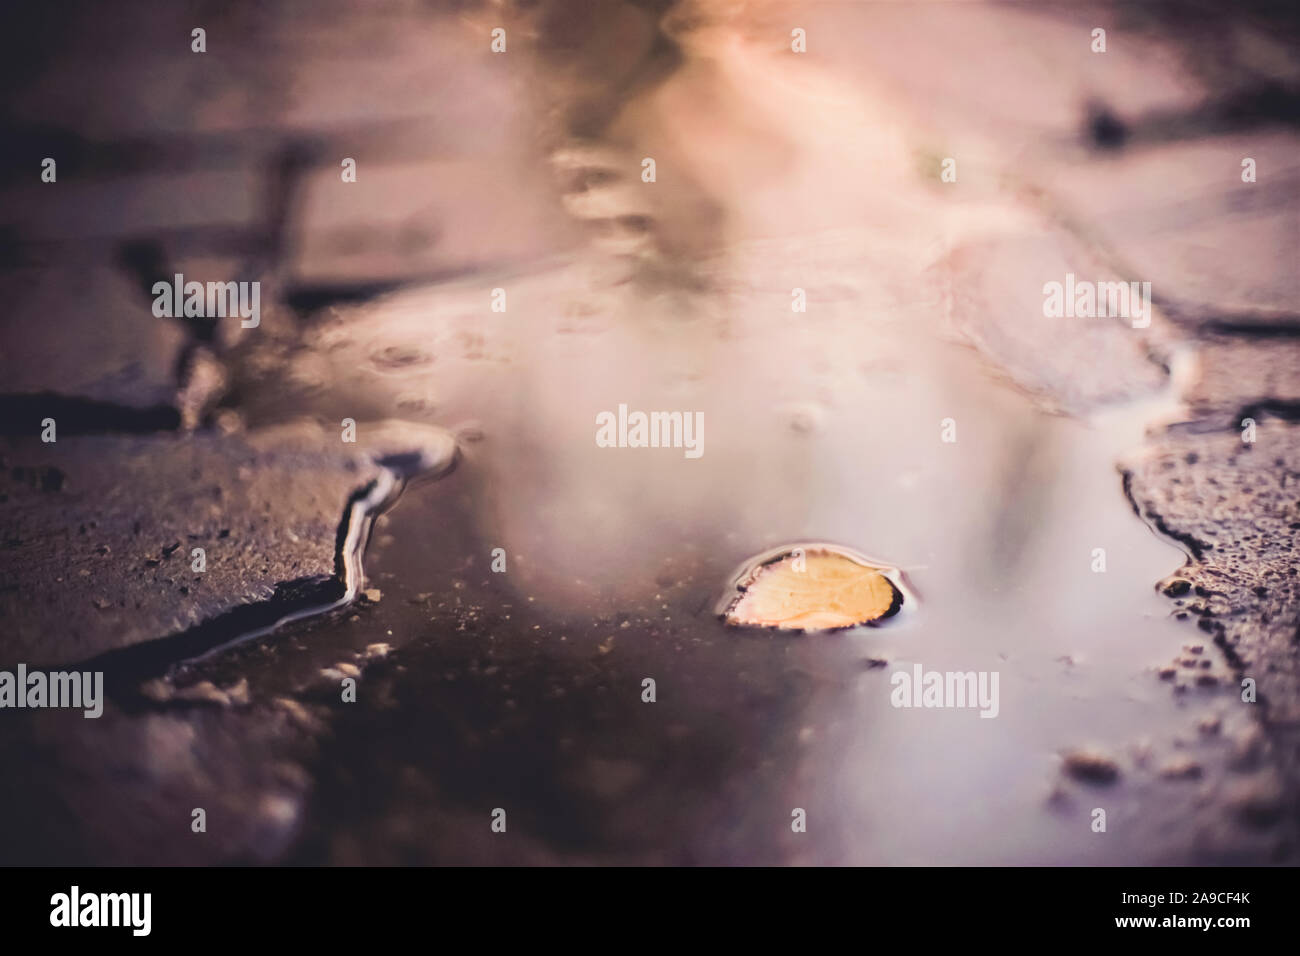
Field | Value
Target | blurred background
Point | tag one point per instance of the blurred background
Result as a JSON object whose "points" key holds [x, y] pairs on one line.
{"points": [[521, 172]]}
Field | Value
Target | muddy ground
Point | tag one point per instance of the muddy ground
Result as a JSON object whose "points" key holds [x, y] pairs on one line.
{"points": [[1171, 445]]}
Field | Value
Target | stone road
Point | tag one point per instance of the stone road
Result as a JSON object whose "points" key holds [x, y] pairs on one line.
{"points": [[478, 170]]}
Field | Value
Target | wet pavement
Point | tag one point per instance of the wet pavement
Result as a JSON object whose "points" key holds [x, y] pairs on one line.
{"points": [[923, 411]]}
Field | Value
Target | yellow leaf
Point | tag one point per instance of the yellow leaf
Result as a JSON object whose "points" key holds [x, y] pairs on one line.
{"points": [[813, 591]]}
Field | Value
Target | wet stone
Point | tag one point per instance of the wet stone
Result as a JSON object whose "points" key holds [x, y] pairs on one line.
{"points": [[115, 352], [264, 508], [1231, 504], [1180, 217], [1240, 378], [1089, 766], [997, 309]]}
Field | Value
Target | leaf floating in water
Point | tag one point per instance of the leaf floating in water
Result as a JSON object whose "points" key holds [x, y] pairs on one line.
{"points": [[812, 590]]}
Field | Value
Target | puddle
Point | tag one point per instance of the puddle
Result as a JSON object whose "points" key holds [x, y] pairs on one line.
{"points": [[518, 668], [680, 217], [551, 607]]}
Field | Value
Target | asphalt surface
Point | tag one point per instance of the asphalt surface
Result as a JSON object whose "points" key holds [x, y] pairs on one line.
{"points": [[521, 689]]}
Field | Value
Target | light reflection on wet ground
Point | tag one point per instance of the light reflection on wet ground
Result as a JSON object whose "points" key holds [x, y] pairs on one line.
{"points": [[825, 425], [523, 689]]}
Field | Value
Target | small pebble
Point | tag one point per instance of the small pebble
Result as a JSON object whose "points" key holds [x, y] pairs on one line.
{"points": [[1090, 766], [1182, 769], [238, 692]]}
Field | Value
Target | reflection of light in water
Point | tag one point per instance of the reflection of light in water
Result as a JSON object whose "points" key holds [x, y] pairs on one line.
{"points": [[822, 424]]}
